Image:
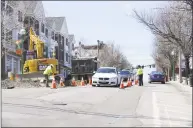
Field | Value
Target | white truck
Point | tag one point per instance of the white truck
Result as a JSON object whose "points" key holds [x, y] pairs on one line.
{"points": [[106, 76]]}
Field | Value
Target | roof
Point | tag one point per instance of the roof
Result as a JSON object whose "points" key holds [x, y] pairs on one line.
{"points": [[30, 6], [58, 22], [84, 58], [90, 47]]}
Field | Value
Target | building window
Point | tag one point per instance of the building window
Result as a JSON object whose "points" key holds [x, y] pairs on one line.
{"points": [[72, 46], [53, 36], [56, 37], [37, 27], [9, 63], [9, 36], [66, 42], [20, 17], [9, 10], [2, 5], [46, 32], [62, 40], [59, 36], [66, 57], [42, 28]]}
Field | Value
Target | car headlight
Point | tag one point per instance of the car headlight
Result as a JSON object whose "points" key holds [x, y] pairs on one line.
{"points": [[114, 78]]}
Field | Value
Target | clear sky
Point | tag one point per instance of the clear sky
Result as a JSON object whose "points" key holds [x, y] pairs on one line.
{"points": [[90, 21]]}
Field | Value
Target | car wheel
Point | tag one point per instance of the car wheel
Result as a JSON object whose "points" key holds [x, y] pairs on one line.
{"points": [[93, 85], [117, 83], [163, 82]]}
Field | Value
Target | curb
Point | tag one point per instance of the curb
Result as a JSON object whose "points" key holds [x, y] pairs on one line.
{"points": [[182, 87]]}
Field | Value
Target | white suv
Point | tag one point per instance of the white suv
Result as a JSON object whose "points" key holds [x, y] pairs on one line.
{"points": [[107, 76]]}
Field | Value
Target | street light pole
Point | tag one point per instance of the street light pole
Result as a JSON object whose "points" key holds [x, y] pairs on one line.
{"points": [[22, 33]]}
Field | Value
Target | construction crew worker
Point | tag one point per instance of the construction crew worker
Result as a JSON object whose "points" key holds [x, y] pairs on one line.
{"points": [[140, 75], [47, 73]]}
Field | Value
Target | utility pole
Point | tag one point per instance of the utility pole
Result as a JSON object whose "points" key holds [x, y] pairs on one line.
{"points": [[192, 46], [98, 43]]}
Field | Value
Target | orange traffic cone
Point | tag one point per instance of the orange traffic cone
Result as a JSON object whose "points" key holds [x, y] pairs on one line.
{"points": [[62, 82], [53, 83], [73, 82], [136, 82], [129, 83], [90, 81], [121, 85], [82, 82]]}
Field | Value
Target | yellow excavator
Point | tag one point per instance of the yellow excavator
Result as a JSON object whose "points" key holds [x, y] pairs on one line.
{"points": [[35, 62]]}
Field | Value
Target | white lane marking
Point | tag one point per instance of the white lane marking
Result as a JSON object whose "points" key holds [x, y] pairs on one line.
{"points": [[156, 114], [178, 112], [176, 105], [167, 114]]}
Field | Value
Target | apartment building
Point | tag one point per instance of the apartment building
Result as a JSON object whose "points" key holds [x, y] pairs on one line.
{"points": [[52, 31], [12, 16], [61, 36]]}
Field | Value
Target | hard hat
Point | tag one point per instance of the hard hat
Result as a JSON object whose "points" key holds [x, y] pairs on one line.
{"points": [[52, 65]]}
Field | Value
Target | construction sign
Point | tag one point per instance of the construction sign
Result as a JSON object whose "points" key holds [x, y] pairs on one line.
{"points": [[19, 47]]}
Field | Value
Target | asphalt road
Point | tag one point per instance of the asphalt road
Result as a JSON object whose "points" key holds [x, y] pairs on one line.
{"points": [[150, 105]]}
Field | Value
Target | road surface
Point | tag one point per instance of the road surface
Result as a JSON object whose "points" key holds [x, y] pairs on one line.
{"points": [[148, 106], [151, 105]]}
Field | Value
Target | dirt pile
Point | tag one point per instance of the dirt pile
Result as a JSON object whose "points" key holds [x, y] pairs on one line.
{"points": [[8, 84]]}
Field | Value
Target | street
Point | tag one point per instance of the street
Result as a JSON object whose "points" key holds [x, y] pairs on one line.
{"points": [[148, 106]]}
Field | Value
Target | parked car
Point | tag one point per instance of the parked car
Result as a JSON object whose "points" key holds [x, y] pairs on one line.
{"points": [[125, 74], [156, 76], [106, 76]]}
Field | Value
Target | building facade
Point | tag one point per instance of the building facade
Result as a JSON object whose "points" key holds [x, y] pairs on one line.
{"points": [[12, 14], [52, 31]]}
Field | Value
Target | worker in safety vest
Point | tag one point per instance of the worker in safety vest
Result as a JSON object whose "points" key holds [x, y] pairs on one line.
{"points": [[48, 72], [140, 75]]}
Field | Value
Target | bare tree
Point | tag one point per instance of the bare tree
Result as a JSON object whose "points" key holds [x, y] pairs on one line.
{"points": [[162, 55], [111, 56], [173, 26]]}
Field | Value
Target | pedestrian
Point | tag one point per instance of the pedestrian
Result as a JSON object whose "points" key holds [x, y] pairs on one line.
{"points": [[48, 72], [140, 75]]}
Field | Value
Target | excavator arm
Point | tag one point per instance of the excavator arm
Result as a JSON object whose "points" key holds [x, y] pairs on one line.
{"points": [[36, 44]]}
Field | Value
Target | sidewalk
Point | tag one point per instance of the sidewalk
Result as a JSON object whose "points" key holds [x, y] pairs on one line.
{"points": [[182, 87]]}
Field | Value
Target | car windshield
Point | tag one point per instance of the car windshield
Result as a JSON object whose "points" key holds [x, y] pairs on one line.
{"points": [[106, 70], [156, 73], [124, 72]]}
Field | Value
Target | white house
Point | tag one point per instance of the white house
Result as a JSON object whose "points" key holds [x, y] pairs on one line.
{"points": [[12, 16]]}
